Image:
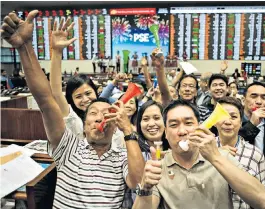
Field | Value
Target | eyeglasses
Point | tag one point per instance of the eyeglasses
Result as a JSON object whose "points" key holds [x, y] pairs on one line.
{"points": [[190, 86]]}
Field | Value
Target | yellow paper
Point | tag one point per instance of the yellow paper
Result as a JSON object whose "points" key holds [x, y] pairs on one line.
{"points": [[7, 158]]}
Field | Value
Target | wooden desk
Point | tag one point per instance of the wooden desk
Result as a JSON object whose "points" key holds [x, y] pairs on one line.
{"points": [[19, 123], [22, 126], [15, 102]]}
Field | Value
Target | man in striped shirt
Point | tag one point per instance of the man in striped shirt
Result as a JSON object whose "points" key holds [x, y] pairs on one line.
{"points": [[91, 173]]}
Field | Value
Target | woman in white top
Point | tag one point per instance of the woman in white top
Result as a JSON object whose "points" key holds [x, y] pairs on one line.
{"points": [[80, 90]]}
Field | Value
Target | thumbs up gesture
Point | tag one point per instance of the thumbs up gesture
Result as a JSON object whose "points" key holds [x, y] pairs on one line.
{"points": [[152, 172], [16, 31]]}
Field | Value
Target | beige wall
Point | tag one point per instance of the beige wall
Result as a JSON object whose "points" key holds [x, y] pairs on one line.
{"points": [[85, 66]]}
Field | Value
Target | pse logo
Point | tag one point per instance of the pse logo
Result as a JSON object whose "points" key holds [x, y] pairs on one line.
{"points": [[141, 37]]}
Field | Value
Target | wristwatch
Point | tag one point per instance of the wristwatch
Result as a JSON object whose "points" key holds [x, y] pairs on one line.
{"points": [[148, 97], [132, 136], [141, 192]]}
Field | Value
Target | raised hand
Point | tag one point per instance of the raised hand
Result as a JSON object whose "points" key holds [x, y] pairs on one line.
{"points": [[224, 65], [150, 92], [152, 171], [120, 77], [257, 116], [205, 140], [158, 61], [119, 117], [60, 34], [143, 62], [16, 31]]}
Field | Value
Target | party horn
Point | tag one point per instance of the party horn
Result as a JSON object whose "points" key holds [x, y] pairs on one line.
{"points": [[125, 59], [158, 149], [154, 30], [131, 92], [125, 56], [217, 115]]}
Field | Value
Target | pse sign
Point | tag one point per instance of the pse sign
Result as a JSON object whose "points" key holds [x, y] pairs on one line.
{"points": [[141, 37]]}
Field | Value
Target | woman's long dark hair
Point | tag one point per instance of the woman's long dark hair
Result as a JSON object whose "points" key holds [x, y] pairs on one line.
{"points": [[74, 83], [145, 147]]}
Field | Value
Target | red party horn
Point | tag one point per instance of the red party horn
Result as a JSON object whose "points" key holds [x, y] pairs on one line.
{"points": [[101, 125], [254, 109], [131, 92]]}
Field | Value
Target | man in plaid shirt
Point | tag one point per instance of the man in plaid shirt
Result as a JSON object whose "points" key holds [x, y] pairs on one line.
{"points": [[249, 156]]}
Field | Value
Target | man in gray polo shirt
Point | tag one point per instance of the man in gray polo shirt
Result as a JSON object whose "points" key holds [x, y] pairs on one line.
{"points": [[197, 177]]}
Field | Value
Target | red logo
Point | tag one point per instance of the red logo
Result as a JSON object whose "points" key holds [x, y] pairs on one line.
{"points": [[133, 11]]}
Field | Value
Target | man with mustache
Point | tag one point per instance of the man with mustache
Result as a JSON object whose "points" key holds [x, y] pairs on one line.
{"points": [[254, 114]]}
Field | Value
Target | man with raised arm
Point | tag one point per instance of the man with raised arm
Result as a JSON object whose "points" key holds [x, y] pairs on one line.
{"points": [[91, 173]]}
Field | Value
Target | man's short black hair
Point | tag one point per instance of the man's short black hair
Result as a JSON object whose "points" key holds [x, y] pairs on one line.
{"points": [[177, 103], [255, 83], [217, 76], [235, 102], [100, 99]]}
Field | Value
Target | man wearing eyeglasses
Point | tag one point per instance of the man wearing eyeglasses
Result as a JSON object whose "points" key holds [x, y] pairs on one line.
{"points": [[187, 90]]}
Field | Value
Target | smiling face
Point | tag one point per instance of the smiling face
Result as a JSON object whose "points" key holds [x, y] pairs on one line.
{"points": [[181, 121], [130, 107], [229, 128], [95, 115], [152, 124], [187, 90], [82, 96], [218, 89]]}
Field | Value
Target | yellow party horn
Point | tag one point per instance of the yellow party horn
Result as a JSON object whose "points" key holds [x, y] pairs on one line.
{"points": [[158, 149], [217, 115]]}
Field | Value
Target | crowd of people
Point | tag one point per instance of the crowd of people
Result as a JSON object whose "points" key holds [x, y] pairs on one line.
{"points": [[133, 63], [118, 167]]}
